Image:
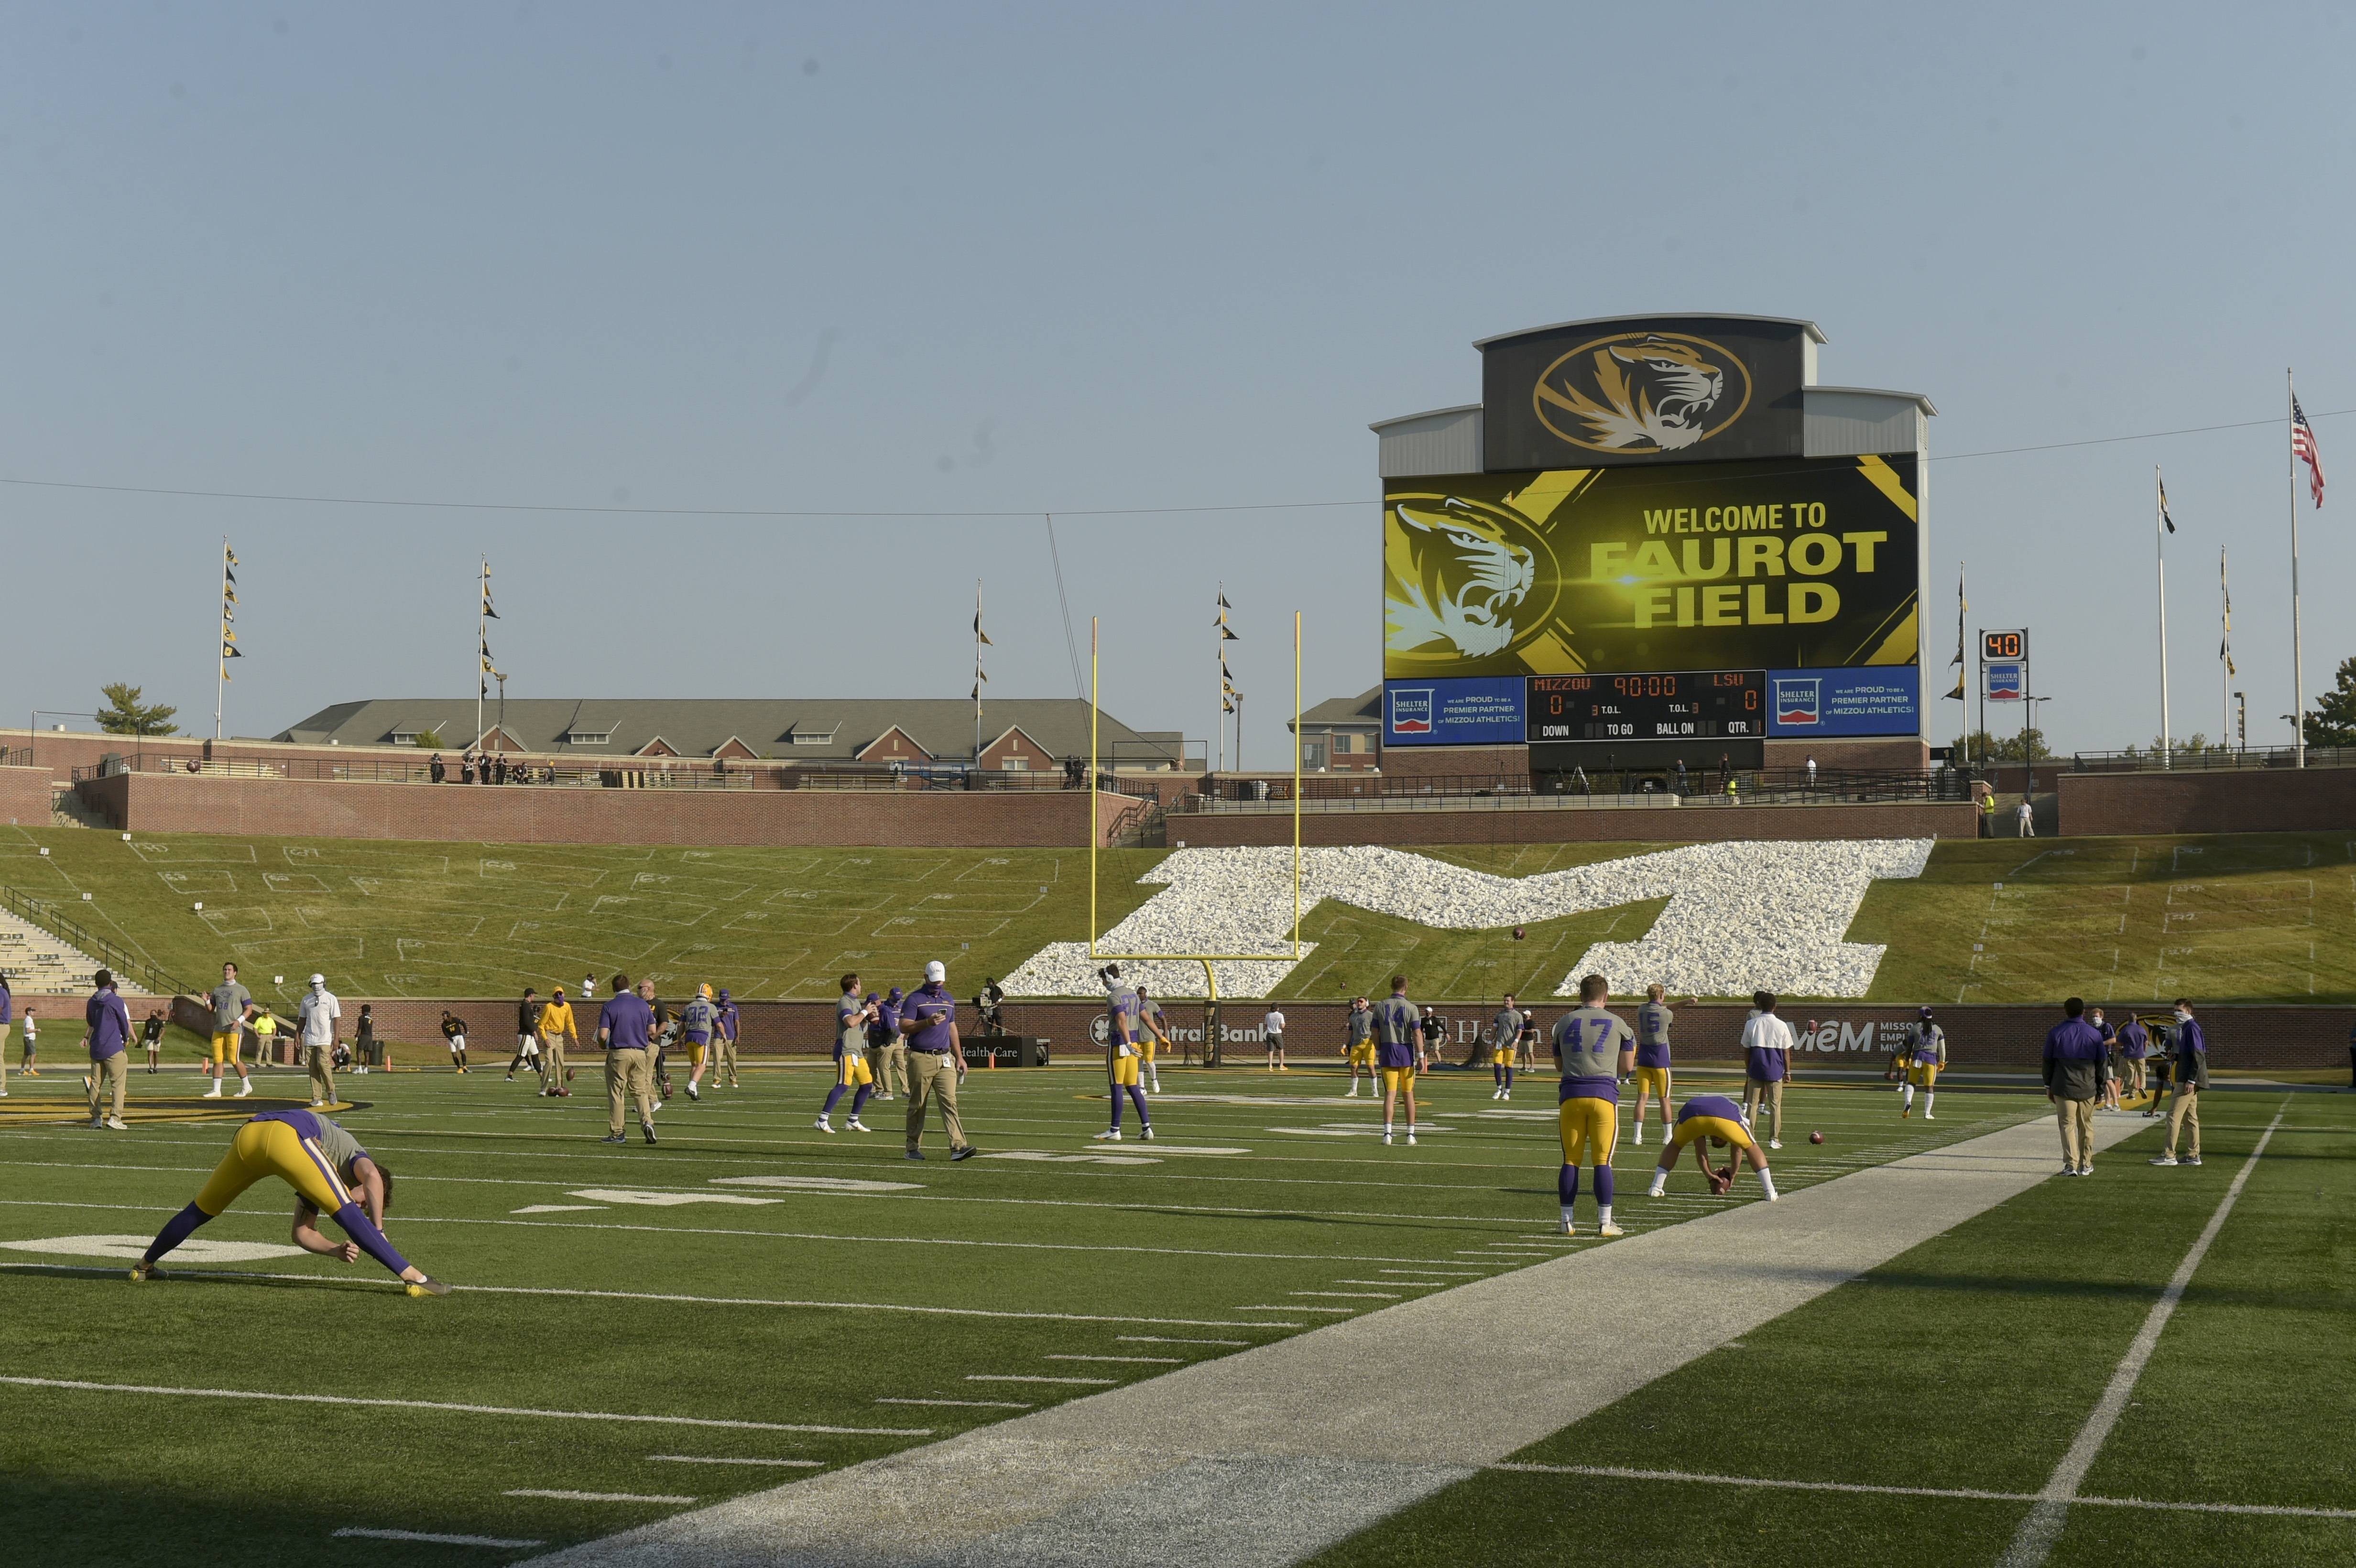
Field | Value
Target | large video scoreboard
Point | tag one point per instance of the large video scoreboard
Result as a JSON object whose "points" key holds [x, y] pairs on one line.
{"points": [[1665, 705]]}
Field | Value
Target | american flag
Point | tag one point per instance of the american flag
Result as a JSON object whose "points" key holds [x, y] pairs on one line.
{"points": [[2302, 444]]}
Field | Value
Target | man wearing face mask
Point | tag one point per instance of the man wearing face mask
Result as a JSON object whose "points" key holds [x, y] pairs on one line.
{"points": [[2191, 1077]]}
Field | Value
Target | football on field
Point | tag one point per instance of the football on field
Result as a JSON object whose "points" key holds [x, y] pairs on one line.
{"points": [[1815, 1137], [1518, 934]]}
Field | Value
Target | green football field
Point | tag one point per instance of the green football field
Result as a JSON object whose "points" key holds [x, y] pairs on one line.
{"points": [[639, 1331], [2255, 917]]}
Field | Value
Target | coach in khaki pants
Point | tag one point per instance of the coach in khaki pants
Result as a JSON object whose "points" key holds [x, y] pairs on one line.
{"points": [[2076, 1057], [2191, 1076], [623, 1029], [935, 1061], [109, 1055]]}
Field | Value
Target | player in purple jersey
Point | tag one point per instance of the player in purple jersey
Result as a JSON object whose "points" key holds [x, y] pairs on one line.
{"points": [[1704, 1121], [330, 1174]]}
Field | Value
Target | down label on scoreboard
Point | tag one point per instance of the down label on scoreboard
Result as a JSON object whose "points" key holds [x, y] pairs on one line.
{"points": [[1665, 705]]}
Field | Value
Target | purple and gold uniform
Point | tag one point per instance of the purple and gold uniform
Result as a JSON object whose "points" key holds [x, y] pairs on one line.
{"points": [[1125, 1016], [306, 1151], [1398, 1024], [1587, 1041], [1712, 1116], [1653, 1020], [851, 1017]]}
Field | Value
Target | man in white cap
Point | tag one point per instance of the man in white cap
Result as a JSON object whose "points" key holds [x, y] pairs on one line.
{"points": [[935, 1061], [320, 1012]]}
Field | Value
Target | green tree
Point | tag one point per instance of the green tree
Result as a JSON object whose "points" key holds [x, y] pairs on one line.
{"points": [[2333, 722], [430, 740], [2007, 747], [124, 714]]}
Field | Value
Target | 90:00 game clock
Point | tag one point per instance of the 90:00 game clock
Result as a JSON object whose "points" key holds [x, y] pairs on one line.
{"points": [[1659, 706]]}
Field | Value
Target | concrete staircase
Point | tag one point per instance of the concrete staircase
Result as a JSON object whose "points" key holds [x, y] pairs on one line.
{"points": [[35, 961]]}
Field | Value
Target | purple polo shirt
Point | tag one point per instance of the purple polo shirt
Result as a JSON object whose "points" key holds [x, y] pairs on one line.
{"points": [[110, 1024], [2134, 1044], [932, 1004], [628, 1020]]}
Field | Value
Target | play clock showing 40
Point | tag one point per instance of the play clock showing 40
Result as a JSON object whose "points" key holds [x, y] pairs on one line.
{"points": [[1665, 705]]}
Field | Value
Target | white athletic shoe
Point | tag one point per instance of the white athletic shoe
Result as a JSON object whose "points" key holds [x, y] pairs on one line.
{"points": [[211, 1093], [2190, 1159], [1387, 1137], [1570, 1229], [1496, 1093], [1608, 1229], [1410, 1138], [2165, 1159], [1351, 1094], [1147, 1134], [1509, 1093], [693, 1093], [1774, 1143], [1929, 1117], [856, 1125], [659, 1106], [1640, 1134], [117, 1124], [1109, 1136], [824, 1125], [244, 1087], [316, 1104]]}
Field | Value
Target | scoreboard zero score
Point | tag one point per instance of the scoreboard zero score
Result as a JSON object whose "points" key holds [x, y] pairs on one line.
{"points": [[1665, 705]]}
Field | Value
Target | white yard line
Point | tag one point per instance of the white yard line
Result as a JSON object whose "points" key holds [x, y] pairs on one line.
{"points": [[965, 1403], [596, 1496], [429, 1537], [1158, 1360], [721, 1459], [460, 1409], [1616, 1473], [1025, 1377], [1166, 1339], [2033, 1542]]}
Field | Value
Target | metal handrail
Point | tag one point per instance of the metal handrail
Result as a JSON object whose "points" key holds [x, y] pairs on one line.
{"points": [[618, 773], [2149, 761], [125, 963]]}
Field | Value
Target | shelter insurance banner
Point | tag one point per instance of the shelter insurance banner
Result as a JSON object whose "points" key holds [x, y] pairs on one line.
{"points": [[1788, 565]]}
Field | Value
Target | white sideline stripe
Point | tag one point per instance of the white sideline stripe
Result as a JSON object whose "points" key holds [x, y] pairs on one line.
{"points": [[1614, 1472], [1403, 1284], [1350, 1295], [1022, 1378], [1158, 1360], [966, 1404], [462, 1409], [429, 1538], [710, 1459], [1296, 1307], [596, 1497], [2033, 1542]]}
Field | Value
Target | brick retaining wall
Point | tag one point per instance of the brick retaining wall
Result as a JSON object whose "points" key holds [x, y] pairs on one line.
{"points": [[165, 803], [2285, 800]]}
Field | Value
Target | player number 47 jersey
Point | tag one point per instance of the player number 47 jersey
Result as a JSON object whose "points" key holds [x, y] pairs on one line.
{"points": [[1589, 1042]]}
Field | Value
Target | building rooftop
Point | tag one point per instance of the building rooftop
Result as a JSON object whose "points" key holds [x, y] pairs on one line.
{"points": [[812, 729]]}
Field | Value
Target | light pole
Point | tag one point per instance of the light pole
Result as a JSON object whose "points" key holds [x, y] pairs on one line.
{"points": [[2028, 727]]}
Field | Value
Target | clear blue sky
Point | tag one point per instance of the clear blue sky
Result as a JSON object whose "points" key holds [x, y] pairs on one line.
{"points": [[1012, 259]]}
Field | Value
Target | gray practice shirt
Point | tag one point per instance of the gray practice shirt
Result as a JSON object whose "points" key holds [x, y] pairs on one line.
{"points": [[229, 1001]]}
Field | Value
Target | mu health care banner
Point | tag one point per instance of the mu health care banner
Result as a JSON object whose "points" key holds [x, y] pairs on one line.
{"points": [[1787, 565]]}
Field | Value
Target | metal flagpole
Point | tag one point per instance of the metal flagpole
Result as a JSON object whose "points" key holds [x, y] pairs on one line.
{"points": [[482, 630], [2224, 652], [220, 686], [1296, 784], [2159, 548], [2298, 650]]}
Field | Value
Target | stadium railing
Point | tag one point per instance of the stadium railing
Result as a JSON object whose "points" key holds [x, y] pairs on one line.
{"points": [[2150, 761], [1620, 788], [958, 777], [127, 964], [635, 772]]}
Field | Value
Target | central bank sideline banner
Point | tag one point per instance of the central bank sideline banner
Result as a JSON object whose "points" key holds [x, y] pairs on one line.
{"points": [[1794, 564]]}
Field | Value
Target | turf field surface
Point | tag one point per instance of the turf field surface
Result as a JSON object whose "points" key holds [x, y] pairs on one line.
{"points": [[2253, 917], [675, 1301]]}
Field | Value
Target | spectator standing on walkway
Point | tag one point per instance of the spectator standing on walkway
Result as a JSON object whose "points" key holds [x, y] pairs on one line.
{"points": [[320, 1012], [2191, 1077], [2026, 814], [110, 1056], [1767, 1045], [2074, 1057], [1812, 773], [1986, 803], [435, 770], [1681, 775], [623, 1030], [935, 1061]]}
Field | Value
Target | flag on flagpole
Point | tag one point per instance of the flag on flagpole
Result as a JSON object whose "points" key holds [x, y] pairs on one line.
{"points": [[1962, 610], [2225, 647], [2302, 446], [2164, 518]]}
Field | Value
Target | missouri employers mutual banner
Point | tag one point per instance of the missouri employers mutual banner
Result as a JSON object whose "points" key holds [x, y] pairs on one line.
{"points": [[1794, 564]]}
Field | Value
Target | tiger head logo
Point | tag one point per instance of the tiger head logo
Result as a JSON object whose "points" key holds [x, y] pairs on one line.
{"points": [[1639, 391], [1454, 583]]}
